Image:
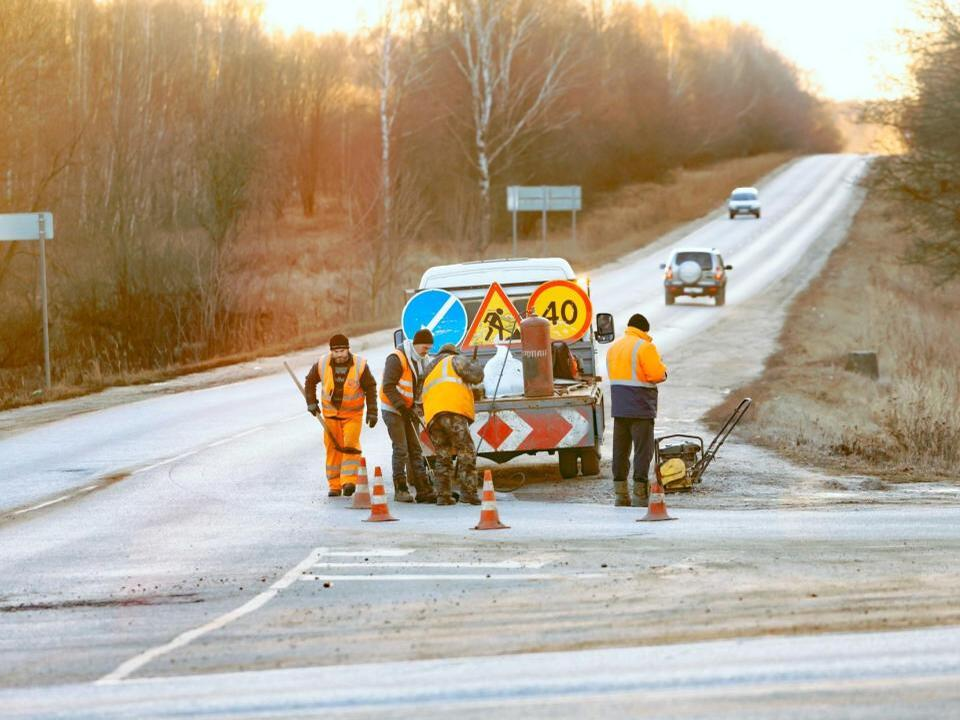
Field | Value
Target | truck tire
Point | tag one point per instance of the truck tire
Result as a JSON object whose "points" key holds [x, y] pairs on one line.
{"points": [[732, 215], [590, 462], [667, 297], [567, 459], [721, 297]]}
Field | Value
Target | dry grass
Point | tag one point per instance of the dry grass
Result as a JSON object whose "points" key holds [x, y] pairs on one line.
{"points": [[904, 426]]}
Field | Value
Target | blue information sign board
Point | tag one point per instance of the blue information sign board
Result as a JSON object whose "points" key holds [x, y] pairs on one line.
{"points": [[440, 312]]}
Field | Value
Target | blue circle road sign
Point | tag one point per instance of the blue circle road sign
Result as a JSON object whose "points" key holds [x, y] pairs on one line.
{"points": [[440, 312]]}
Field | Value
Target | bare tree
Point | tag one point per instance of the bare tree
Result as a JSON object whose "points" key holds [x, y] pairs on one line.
{"points": [[507, 103]]}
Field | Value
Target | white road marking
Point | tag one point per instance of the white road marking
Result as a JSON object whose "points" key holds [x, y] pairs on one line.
{"points": [[43, 505], [385, 552], [460, 576], [505, 565], [184, 639]]}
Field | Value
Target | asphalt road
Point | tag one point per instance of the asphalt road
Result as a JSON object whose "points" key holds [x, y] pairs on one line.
{"points": [[178, 555]]}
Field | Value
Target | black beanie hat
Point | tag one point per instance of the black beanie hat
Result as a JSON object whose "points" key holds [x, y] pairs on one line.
{"points": [[423, 336], [639, 322], [339, 341]]}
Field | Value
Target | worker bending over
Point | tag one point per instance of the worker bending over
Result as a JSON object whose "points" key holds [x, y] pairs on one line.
{"points": [[346, 384], [448, 410]]}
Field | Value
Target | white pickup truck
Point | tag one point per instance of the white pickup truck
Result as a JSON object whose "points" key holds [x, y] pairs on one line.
{"points": [[570, 423]]}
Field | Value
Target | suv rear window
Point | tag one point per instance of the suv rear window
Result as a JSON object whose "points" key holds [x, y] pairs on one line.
{"points": [[703, 259]]}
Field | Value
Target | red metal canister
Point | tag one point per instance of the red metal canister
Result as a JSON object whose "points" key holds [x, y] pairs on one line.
{"points": [[535, 350]]}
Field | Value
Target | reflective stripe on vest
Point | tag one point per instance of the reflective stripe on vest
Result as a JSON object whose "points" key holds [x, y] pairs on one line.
{"points": [[445, 391], [353, 395], [634, 379], [404, 385]]}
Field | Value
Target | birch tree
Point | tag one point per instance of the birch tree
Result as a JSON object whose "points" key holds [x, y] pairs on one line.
{"points": [[509, 105]]}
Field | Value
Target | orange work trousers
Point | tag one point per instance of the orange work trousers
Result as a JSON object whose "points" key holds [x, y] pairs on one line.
{"points": [[342, 467]]}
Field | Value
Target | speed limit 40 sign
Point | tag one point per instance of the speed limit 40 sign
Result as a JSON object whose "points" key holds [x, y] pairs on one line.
{"points": [[566, 305]]}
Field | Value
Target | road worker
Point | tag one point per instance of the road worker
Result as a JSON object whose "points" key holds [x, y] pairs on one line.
{"points": [[400, 395], [448, 410], [346, 384], [635, 369]]}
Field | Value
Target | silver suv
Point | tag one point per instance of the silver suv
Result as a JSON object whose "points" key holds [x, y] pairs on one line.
{"points": [[745, 200], [697, 272]]}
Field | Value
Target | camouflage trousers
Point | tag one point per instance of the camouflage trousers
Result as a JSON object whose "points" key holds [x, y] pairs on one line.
{"points": [[450, 434]]}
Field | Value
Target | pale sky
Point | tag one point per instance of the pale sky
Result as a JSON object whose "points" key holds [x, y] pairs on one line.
{"points": [[847, 48]]}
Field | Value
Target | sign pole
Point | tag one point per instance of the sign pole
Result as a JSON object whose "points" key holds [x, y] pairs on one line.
{"points": [[573, 213], [546, 202], [43, 301], [514, 232]]}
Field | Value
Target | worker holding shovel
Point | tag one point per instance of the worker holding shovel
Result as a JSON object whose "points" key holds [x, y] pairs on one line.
{"points": [[346, 385]]}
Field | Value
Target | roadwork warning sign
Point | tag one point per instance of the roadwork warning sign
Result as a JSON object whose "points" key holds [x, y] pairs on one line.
{"points": [[496, 321]]}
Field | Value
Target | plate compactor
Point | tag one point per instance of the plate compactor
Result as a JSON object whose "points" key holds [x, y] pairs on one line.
{"points": [[681, 462]]}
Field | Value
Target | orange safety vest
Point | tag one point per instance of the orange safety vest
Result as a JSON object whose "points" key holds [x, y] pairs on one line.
{"points": [[353, 395], [631, 358], [404, 385], [445, 391]]}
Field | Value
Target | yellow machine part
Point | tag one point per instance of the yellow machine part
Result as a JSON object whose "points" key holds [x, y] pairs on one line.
{"points": [[673, 474]]}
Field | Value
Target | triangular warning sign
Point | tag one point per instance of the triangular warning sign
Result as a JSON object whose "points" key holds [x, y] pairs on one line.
{"points": [[496, 321]]}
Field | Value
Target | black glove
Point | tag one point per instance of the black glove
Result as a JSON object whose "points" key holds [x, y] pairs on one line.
{"points": [[409, 415], [313, 409], [371, 420]]}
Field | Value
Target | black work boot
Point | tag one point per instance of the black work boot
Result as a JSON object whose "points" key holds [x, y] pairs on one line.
{"points": [[621, 498], [445, 499], [640, 493], [333, 493], [348, 489], [402, 494]]}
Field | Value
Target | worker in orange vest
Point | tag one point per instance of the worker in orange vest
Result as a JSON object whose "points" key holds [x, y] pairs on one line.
{"points": [[635, 369], [399, 400], [346, 385], [448, 409]]}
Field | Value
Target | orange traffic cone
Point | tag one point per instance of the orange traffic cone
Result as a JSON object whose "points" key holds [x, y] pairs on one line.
{"points": [[361, 496], [656, 507], [379, 512], [489, 517]]}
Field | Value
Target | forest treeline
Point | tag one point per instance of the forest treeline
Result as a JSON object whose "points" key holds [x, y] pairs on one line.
{"points": [[924, 179], [163, 133]]}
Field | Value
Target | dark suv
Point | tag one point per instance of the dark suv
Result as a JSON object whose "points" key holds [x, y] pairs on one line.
{"points": [[696, 272]]}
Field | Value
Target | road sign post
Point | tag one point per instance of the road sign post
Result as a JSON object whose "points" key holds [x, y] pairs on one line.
{"points": [[543, 199], [17, 227]]}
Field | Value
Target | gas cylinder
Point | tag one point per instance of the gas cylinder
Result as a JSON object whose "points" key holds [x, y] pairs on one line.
{"points": [[535, 350]]}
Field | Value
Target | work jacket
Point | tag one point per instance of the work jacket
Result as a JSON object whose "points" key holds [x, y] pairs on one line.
{"points": [[634, 368], [342, 395], [446, 388], [399, 386]]}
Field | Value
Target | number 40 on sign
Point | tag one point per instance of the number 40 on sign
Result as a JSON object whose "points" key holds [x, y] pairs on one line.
{"points": [[566, 305]]}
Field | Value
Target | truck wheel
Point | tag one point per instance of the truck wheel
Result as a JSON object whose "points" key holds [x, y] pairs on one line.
{"points": [[667, 297], [721, 297], [732, 215], [568, 463], [590, 462]]}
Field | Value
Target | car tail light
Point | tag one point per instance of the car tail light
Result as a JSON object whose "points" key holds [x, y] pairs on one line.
{"points": [[668, 275], [719, 274]]}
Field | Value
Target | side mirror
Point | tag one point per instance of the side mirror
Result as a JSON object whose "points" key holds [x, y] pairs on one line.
{"points": [[605, 332], [663, 266], [398, 338], [728, 267]]}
